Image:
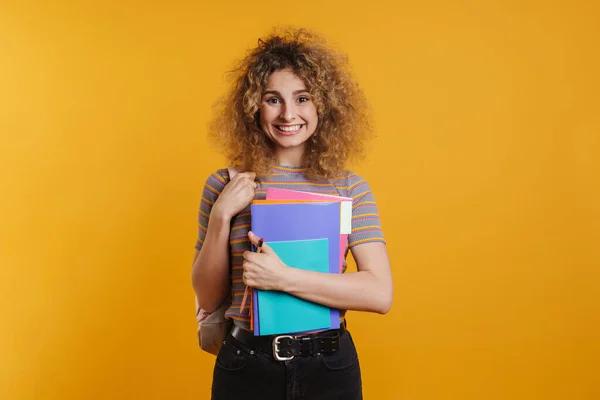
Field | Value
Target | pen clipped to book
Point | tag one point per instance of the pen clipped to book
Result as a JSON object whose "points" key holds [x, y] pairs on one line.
{"points": [[258, 250]]}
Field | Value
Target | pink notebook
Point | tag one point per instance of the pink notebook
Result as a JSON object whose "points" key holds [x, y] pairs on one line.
{"points": [[346, 210]]}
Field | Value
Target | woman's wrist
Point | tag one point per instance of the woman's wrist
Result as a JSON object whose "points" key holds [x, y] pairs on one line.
{"points": [[218, 214], [287, 279]]}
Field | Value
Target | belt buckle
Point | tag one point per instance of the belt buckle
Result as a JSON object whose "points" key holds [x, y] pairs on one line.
{"points": [[276, 348]]}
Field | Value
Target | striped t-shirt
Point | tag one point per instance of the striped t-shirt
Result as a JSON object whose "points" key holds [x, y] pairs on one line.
{"points": [[366, 226]]}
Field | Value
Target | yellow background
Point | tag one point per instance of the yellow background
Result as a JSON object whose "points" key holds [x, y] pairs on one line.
{"points": [[486, 170]]}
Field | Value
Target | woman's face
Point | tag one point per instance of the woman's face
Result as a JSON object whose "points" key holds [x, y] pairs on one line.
{"points": [[288, 115]]}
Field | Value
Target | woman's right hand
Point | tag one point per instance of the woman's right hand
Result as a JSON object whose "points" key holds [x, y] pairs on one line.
{"points": [[236, 195]]}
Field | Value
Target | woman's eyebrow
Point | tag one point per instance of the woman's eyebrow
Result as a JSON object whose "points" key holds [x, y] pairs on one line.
{"points": [[279, 94]]}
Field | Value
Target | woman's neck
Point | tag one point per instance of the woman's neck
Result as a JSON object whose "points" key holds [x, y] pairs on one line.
{"points": [[292, 157]]}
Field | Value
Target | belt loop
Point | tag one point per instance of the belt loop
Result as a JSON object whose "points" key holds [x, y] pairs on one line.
{"points": [[306, 345]]}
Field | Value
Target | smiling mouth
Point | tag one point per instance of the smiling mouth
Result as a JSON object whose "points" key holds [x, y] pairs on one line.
{"points": [[288, 129]]}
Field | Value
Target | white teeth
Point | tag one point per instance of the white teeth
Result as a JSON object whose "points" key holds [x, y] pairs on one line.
{"points": [[289, 128]]}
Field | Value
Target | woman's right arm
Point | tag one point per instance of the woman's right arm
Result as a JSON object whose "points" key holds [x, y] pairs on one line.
{"points": [[210, 269]]}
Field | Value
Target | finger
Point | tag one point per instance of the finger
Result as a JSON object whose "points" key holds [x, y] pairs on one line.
{"points": [[247, 261], [247, 255], [266, 249], [251, 187], [248, 279], [253, 238], [248, 175], [248, 180]]}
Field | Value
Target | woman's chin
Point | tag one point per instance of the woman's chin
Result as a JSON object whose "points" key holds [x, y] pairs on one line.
{"points": [[290, 142]]}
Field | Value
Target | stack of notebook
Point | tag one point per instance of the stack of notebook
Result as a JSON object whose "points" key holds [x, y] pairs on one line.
{"points": [[308, 231]]}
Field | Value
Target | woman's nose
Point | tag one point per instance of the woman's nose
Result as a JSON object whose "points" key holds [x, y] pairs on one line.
{"points": [[288, 112]]}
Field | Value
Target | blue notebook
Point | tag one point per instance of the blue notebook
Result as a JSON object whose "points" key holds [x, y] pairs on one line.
{"points": [[299, 221], [281, 312]]}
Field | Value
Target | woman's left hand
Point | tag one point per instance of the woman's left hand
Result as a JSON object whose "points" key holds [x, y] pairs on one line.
{"points": [[263, 270]]}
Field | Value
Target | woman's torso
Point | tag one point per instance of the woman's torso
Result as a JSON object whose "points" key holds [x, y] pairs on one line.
{"points": [[281, 178]]}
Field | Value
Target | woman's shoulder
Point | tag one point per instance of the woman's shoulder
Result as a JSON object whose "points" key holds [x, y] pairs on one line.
{"points": [[352, 183], [348, 177], [346, 181], [219, 178]]}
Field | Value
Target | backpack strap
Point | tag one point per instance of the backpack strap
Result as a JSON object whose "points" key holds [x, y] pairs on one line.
{"points": [[232, 172]]}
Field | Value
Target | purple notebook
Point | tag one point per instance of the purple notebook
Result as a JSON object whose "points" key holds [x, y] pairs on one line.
{"points": [[299, 221]]}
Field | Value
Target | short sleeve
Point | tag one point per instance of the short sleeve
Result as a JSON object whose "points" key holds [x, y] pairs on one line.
{"points": [[212, 189], [366, 225]]}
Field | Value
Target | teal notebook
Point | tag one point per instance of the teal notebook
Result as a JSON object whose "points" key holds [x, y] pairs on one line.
{"points": [[280, 312]]}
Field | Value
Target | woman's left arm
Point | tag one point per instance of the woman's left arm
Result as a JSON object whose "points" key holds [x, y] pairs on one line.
{"points": [[368, 289]]}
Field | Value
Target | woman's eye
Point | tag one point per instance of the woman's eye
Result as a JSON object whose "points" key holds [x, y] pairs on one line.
{"points": [[273, 100], [303, 99]]}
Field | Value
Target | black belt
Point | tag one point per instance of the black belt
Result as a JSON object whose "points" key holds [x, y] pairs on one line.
{"points": [[286, 347]]}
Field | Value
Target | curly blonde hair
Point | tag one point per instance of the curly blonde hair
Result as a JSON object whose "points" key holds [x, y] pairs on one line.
{"points": [[344, 118]]}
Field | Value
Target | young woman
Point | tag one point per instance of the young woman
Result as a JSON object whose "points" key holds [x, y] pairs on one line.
{"points": [[292, 119]]}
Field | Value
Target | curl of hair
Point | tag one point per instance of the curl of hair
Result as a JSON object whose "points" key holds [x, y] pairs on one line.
{"points": [[343, 111]]}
